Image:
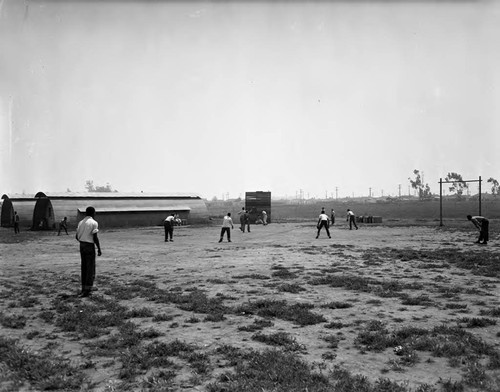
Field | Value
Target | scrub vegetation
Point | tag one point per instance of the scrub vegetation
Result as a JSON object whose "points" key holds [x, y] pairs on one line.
{"points": [[374, 310]]}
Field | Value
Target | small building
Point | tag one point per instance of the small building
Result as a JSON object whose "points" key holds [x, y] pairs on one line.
{"points": [[22, 204], [256, 202], [113, 209]]}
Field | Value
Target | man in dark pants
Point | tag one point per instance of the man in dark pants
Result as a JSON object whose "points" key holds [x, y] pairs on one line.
{"points": [[242, 215], [323, 222], [63, 225], [351, 218], [16, 223], [169, 227], [227, 225], [86, 234], [483, 225]]}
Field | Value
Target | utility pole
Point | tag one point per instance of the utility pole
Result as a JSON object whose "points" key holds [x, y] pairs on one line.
{"points": [[336, 192], [399, 190], [370, 192]]}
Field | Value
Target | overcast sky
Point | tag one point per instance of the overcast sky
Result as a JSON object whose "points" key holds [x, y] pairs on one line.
{"points": [[227, 97]]}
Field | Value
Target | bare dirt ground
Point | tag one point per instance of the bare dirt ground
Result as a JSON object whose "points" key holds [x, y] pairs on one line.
{"points": [[409, 278]]}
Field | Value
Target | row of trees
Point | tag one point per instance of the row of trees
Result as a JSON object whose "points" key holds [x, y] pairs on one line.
{"points": [[458, 185]]}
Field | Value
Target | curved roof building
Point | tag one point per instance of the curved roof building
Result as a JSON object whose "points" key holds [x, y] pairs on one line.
{"points": [[113, 209]]}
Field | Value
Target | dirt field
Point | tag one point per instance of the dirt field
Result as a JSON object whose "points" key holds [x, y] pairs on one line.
{"points": [[374, 287]]}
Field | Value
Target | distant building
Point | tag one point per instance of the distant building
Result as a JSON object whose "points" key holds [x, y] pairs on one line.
{"points": [[23, 204], [256, 202], [113, 209]]}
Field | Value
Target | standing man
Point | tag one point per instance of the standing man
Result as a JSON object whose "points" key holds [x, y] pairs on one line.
{"points": [[483, 225], [169, 226], [63, 225], [332, 217], [86, 234], [242, 219], [16, 223], [227, 225], [323, 222], [351, 218], [247, 221]]}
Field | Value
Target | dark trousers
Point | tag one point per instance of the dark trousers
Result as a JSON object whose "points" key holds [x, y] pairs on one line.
{"points": [[169, 230], [352, 220], [16, 227], [242, 225], [324, 224], [87, 253], [225, 230], [61, 227], [332, 219], [484, 233]]}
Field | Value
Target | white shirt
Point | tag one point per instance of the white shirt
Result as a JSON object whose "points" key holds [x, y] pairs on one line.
{"points": [[323, 217], [170, 218], [350, 213], [86, 229], [228, 222]]}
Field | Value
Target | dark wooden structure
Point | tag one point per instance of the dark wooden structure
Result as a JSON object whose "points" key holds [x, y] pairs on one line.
{"points": [[256, 202]]}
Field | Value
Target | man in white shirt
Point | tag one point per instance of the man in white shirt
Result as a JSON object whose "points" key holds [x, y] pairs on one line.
{"points": [[169, 226], [323, 222], [351, 218], [227, 225], [86, 234]]}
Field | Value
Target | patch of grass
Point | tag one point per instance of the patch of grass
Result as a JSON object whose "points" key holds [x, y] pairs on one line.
{"points": [[476, 322], [163, 317], [139, 313], [257, 325], [14, 321], [336, 325], [47, 316], [43, 371], [419, 300], [455, 306], [29, 302], [332, 340], [270, 370], [490, 312], [291, 288], [215, 317], [337, 305], [297, 313], [252, 276], [283, 273], [281, 339]]}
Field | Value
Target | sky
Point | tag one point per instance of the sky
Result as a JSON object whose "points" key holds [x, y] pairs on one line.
{"points": [[331, 98]]}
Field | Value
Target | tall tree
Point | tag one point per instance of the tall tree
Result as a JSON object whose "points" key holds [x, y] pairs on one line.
{"points": [[458, 185], [424, 191], [494, 186]]}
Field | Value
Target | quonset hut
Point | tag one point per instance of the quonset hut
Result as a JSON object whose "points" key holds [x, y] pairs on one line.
{"points": [[23, 204], [114, 209]]}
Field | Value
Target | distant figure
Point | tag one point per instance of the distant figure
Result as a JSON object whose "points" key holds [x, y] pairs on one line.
{"points": [[16, 223], [351, 218], [332, 217], [483, 225], [323, 222], [264, 218], [86, 234], [169, 226], [247, 221], [242, 219], [227, 225], [63, 225]]}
